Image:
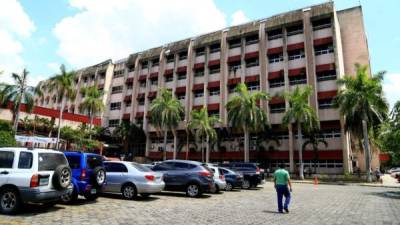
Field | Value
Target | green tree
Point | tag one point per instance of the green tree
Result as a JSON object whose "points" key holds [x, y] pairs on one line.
{"points": [[18, 93], [314, 139], [63, 85], [389, 136], [361, 101], [92, 104], [244, 113], [303, 115], [203, 126], [7, 139], [166, 113], [128, 134]]}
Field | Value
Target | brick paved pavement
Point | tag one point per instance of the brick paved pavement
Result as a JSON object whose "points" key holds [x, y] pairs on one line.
{"points": [[328, 204]]}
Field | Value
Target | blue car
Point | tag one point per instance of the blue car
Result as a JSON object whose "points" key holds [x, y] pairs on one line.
{"points": [[88, 176], [233, 179]]}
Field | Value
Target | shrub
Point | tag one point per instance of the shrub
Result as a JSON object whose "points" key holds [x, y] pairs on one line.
{"points": [[7, 139], [5, 125]]}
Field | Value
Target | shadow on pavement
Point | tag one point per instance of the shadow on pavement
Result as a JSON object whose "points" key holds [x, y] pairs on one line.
{"points": [[271, 211], [386, 194], [181, 195], [33, 209], [138, 198]]}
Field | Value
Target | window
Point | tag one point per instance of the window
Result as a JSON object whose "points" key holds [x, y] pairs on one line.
{"points": [[6, 159], [131, 68], [141, 101], [181, 166], [214, 91], [145, 65], [25, 160], [200, 51], [115, 106], [326, 75], [170, 58], [332, 133], [277, 108], [168, 79], [235, 43], [282, 135], [274, 58], [129, 86], [323, 49], [113, 123], [298, 80], [234, 66], [214, 69], [253, 86], [199, 72], [142, 84], [296, 54], [50, 161], [140, 167], [231, 88], [155, 62], [116, 90], [118, 73], [198, 93], [325, 103], [182, 76], [252, 62], [154, 82], [181, 96], [274, 34], [128, 104], [85, 79], [183, 55], [213, 113], [163, 166], [94, 161], [293, 30], [215, 48], [322, 24], [252, 39], [74, 161], [277, 82], [115, 168]]}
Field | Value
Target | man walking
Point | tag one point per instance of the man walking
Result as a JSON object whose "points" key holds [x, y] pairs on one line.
{"points": [[282, 181]]}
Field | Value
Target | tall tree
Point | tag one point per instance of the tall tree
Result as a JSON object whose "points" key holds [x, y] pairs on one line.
{"points": [[18, 93], [244, 113], [128, 134], [362, 102], [166, 113], [203, 126], [92, 104], [303, 115], [314, 139], [63, 85]]}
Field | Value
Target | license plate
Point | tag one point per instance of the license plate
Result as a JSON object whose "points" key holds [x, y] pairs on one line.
{"points": [[93, 191], [43, 181]]}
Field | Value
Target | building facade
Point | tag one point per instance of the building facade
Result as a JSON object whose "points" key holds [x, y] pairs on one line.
{"points": [[312, 46]]}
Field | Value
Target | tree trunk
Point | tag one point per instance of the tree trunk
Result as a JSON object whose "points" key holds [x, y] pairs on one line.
{"points": [[90, 125], [15, 125], [208, 149], [59, 122], [202, 149], [315, 146], [165, 145], [175, 145], [246, 145], [299, 143], [367, 152]]}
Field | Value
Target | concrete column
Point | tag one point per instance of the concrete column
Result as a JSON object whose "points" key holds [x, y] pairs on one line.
{"points": [[224, 78], [206, 75], [189, 81], [262, 57], [161, 69], [148, 144], [347, 164], [242, 60], [135, 87], [146, 100]]}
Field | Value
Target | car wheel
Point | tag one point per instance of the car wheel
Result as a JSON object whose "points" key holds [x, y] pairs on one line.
{"points": [[99, 176], [10, 201], [62, 177], [91, 197], [246, 184], [215, 190], [193, 190], [145, 195], [229, 186], [69, 197], [129, 191]]}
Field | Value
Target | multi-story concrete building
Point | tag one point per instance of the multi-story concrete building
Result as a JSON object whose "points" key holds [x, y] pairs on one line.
{"points": [[312, 46]]}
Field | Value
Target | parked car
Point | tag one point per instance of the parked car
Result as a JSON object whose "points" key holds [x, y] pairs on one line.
{"points": [[233, 179], [394, 170], [88, 176], [131, 179], [150, 166], [35, 176], [219, 179], [192, 177], [252, 175]]}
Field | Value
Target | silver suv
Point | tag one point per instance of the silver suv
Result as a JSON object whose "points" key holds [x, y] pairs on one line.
{"points": [[36, 176]]}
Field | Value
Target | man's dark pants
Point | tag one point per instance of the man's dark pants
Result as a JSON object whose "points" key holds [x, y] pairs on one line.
{"points": [[283, 190]]}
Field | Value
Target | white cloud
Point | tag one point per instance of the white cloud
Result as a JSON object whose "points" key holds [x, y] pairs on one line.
{"points": [[239, 17], [391, 87], [15, 25], [113, 29]]}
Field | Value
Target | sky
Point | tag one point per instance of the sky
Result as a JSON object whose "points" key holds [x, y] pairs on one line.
{"points": [[40, 35]]}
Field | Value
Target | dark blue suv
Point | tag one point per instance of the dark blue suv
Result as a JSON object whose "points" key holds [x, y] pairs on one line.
{"points": [[88, 175], [188, 176]]}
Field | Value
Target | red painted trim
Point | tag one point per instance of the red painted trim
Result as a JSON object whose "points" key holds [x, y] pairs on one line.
{"points": [[197, 107], [153, 75], [180, 90], [198, 86], [126, 116], [327, 94], [235, 58], [297, 72], [142, 77], [214, 84], [181, 69], [140, 96], [139, 114], [129, 80], [383, 157], [152, 94], [213, 62], [325, 67], [296, 46], [251, 55], [168, 72], [198, 66], [323, 41], [128, 98], [214, 106], [234, 81], [276, 50], [275, 75], [276, 100], [253, 78]]}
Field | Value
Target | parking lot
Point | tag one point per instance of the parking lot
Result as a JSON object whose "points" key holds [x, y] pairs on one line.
{"points": [[326, 204]]}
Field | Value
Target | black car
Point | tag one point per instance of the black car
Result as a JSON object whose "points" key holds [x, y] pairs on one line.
{"points": [[251, 173], [187, 176], [233, 179]]}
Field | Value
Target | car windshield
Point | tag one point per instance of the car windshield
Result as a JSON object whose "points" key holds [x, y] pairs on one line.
{"points": [[141, 167], [50, 161]]}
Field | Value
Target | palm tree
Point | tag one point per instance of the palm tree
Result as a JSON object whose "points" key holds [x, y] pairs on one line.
{"points": [[63, 84], [314, 139], [129, 134], [18, 93], [203, 124], [92, 104], [362, 102], [166, 113], [301, 113], [244, 113]]}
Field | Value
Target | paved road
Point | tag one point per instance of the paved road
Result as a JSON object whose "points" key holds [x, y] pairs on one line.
{"points": [[328, 204]]}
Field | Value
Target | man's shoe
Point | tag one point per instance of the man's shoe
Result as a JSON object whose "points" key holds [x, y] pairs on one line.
{"points": [[286, 210], [280, 211]]}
